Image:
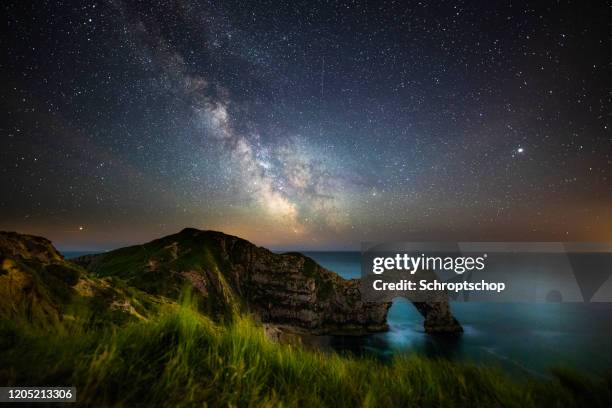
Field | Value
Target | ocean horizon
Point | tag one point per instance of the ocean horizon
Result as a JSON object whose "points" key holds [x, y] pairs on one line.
{"points": [[522, 338]]}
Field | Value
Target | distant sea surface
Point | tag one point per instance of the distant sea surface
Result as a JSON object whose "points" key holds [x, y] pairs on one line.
{"points": [[76, 254], [519, 337]]}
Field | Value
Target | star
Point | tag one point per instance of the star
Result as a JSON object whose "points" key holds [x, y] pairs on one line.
{"points": [[281, 126]]}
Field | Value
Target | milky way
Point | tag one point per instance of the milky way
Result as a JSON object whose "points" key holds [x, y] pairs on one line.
{"points": [[291, 187], [307, 124]]}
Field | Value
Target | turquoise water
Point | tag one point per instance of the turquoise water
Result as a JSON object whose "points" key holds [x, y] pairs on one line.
{"points": [[519, 337]]}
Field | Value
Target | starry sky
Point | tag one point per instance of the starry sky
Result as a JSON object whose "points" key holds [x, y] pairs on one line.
{"points": [[306, 124]]}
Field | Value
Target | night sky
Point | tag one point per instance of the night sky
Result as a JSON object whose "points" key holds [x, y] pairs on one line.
{"points": [[307, 124]]}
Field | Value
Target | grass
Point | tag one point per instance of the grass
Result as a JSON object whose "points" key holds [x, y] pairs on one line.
{"points": [[156, 268], [182, 358]]}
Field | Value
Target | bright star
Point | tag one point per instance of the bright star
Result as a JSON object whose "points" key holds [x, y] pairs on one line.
{"points": [[520, 150]]}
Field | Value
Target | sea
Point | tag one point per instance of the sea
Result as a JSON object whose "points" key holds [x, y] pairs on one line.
{"points": [[520, 338]]}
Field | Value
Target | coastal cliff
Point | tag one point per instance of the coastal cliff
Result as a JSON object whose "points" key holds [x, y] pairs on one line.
{"points": [[231, 274], [227, 275]]}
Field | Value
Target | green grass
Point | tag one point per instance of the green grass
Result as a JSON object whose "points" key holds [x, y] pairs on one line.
{"points": [[155, 269], [182, 358]]}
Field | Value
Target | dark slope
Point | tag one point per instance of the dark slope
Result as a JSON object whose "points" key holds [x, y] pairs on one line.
{"points": [[38, 286]]}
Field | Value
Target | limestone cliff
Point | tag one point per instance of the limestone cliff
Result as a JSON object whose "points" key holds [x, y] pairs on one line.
{"points": [[231, 274], [228, 274]]}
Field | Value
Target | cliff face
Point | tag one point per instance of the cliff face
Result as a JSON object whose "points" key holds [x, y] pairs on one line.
{"points": [[231, 274], [295, 290], [228, 274]]}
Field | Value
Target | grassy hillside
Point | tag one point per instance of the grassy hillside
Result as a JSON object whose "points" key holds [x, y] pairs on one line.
{"points": [[182, 358], [163, 266], [39, 288]]}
